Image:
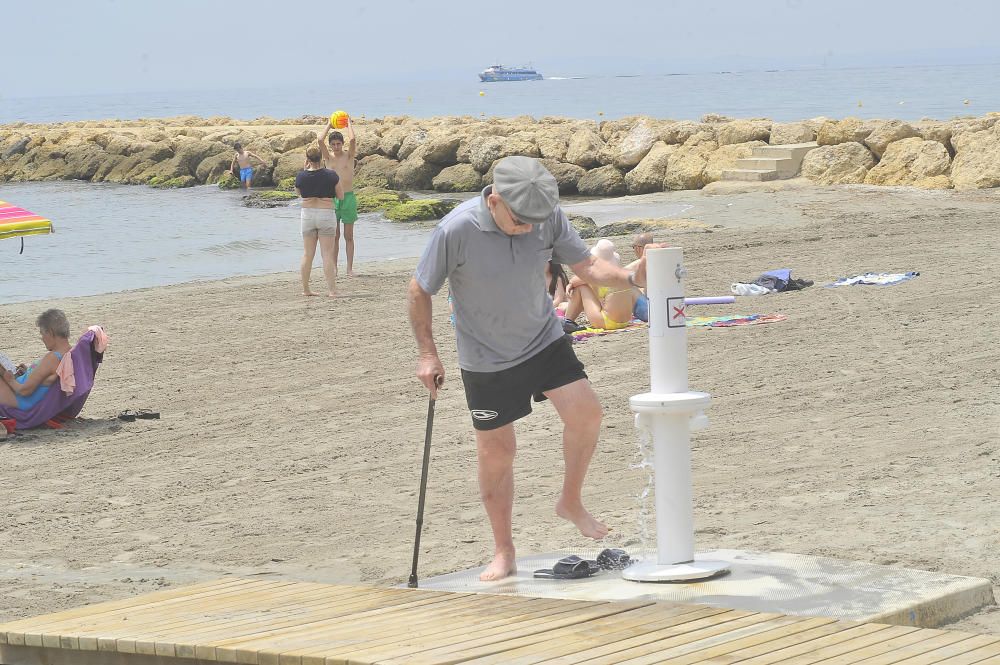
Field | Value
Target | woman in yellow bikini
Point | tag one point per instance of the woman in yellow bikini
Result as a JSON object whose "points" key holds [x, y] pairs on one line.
{"points": [[605, 308]]}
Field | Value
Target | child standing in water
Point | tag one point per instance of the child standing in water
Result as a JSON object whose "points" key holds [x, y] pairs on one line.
{"points": [[242, 157]]}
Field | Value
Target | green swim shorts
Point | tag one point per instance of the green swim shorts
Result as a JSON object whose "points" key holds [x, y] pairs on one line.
{"points": [[347, 209]]}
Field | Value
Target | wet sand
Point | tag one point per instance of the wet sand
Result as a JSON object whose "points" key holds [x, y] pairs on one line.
{"points": [[864, 427]]}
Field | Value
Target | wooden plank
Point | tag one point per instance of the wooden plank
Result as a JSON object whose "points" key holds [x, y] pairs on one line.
{"points": [[815, 655], [408, 649], [120, 635], [600, 632], [15, 631], [920, 652], [970, 643], [743, 652], [919, 640], [475, 648], [637, 615], [243, 649], [196, 629], [704, 618], [32, 636], [368, 625], [287, 617], [678, 644], [776, 655], [754, 635], [977, 656], [441, 628]]}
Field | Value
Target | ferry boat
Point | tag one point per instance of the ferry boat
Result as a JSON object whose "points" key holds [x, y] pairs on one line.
{"points": [[501, 73]]}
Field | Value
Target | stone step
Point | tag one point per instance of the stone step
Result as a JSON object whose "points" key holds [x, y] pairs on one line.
{"points": [[750, 175], [790, 150], [783, 165]]}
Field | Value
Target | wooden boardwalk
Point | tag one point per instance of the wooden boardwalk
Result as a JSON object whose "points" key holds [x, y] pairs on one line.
{"points": [[265, 622]]}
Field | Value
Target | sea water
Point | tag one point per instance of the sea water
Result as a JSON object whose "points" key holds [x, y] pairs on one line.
{"points": [[116, 237], [907, 93]]}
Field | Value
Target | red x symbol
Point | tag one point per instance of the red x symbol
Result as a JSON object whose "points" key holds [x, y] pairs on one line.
{"points": [[679, 312]]}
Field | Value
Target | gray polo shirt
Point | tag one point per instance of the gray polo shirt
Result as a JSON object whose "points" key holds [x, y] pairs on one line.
{"points": [[503, 313]]}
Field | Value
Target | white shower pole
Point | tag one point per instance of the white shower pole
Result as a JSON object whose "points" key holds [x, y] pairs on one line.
{"points": [[668, 411]]}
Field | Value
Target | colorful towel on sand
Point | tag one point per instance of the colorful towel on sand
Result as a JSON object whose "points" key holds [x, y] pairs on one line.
{"points": [[733, 320], [587, 333], [729, 321], [875, 279]]}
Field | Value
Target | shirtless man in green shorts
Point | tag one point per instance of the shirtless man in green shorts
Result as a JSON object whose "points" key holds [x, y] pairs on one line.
{"points": [[347, 208]]}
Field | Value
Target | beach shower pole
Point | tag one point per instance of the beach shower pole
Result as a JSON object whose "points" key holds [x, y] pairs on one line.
{"points": [[668, 411]]}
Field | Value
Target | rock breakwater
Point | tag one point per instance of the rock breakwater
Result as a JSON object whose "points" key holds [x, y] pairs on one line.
{"points": [[635, 155]]}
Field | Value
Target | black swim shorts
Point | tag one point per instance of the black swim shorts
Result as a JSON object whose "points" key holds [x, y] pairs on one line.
{"points": [[498, 398]]}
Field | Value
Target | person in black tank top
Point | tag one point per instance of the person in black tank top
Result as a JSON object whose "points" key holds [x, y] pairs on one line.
{"points": [[318, 187]]}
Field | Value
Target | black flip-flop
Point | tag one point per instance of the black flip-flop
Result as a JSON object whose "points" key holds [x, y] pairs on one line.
{"points": [[568, 568], [613, 559], [127, 415], [147, 414]]}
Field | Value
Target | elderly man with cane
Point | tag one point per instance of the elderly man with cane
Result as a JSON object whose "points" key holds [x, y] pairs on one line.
{"points": [[511, 347]]}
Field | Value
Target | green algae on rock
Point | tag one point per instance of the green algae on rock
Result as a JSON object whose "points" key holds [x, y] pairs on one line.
{"points": [[419, 210]]}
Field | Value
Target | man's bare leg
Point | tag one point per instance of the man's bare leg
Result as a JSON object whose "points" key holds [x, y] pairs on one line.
{"points": [[580, 411], [349, 242], [308, 254], [329, 264], [336, 245], [496, 450]]}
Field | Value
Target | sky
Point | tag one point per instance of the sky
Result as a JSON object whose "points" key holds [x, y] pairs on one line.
{"points": [[98, 46]]}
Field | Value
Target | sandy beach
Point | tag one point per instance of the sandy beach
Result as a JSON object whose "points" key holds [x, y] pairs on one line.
{"points": [[863, 427]]}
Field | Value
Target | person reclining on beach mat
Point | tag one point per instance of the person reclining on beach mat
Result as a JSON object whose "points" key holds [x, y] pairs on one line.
{"points": [[606, 308], [59, 382]]}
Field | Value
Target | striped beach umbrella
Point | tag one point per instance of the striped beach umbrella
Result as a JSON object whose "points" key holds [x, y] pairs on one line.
{"points": [[17, 222]]}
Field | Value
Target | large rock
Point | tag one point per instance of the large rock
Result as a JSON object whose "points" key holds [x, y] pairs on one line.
{"points": [[18, 147], [977, 160], [374, 171], [680, 132], [841, 164], [725, 158], [458, 178], [566, 175], [485, 150], [552, 143], [784, 133], [648, 176], [440, 149], [584, 147], [288, 165], [414, 173], [635, 145], [391, 141], [83, 161], [602, 181], [368, 142], [286, 142], [686, 167], [210, 169], [887, 132], [742, 131], [189, 153], [931, 130], [585, 226], [909, 160], [410, 143], [848, 130]]}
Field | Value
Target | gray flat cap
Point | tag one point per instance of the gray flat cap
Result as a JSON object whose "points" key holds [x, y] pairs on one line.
{"points": [[527, 187]]}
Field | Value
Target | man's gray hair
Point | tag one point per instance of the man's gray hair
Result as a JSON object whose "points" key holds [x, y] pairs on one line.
{"points": [[54, 322], [643, 239]]}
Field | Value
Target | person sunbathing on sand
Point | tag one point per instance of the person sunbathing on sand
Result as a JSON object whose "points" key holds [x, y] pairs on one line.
{"points": [[24, 389], [605, 307]]}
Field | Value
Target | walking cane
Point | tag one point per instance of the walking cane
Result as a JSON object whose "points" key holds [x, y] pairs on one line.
{"points": [[412, 583]]}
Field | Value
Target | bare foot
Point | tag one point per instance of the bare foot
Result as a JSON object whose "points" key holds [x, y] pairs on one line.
{"points": [[308, 293], [503, 565], [351, 273], [332, 294], [584, 521]]}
